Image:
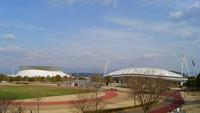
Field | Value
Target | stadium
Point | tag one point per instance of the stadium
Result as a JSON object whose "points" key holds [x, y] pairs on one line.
{"points": [[42, 71], [147, 72]]}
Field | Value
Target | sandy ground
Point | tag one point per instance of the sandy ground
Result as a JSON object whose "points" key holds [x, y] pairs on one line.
{"points": [[117, 88], [188, 96], [56, 98], [191, 108], [192, 102], [122, 100]]}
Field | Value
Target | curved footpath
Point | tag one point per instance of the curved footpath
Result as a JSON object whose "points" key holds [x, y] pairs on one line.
{"points": [[108, 95], [177, 102]]}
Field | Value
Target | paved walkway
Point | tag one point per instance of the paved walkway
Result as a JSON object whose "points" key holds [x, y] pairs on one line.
{"points": [[178, 101], [173, 101]]}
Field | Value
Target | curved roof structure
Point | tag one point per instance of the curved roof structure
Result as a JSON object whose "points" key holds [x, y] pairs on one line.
{"points": [[43, 71], [147, 72], [47, 68]]}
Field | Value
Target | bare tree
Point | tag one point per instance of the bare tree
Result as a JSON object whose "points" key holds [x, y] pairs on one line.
{"points": [[4, 105], [108, 80], [99, 103], [9, 106], [38, 95], [84, 103], [147, 90], [96, 78], [89, 101], [17, 108]]}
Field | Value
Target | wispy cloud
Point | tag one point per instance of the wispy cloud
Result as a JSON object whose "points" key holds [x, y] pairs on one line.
{"points": [[16, 52], [162, 28], [141, 24], [21, 25], [113, 3], [80, 34], [10, 48], [9, 37], [188, 14], [191, 36], [151, 55]]}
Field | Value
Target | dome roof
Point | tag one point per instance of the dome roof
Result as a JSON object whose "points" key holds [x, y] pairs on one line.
{"points": [[145, 72], [46, 68], [43, 71]]}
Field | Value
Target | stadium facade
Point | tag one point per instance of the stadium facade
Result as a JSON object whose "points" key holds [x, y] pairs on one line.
{"points": [[42, 71], [147, 72]]}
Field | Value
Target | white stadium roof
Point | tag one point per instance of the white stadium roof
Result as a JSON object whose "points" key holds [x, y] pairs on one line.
{"points": [[42, 71], [148, 72]]}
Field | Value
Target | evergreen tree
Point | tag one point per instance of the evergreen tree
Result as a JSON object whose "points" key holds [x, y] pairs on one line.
{"points": [[191, 83], [198, 82], [58, 78]]}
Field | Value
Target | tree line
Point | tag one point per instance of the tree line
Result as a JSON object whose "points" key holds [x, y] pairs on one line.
{"points": [[193, 83], [52, 79]]}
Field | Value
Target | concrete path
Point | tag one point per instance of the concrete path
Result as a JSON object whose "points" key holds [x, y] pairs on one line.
{"points": [[173, 101], [178, 101]]}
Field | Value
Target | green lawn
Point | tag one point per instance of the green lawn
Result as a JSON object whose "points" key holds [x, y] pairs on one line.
{"points": [[28, 91]]}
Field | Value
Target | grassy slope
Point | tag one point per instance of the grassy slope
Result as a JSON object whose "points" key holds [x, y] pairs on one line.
{"points": [[24, 92]]}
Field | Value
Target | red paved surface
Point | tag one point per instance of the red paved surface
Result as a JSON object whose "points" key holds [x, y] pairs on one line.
{"points": [[178, 100], [108, 95]]}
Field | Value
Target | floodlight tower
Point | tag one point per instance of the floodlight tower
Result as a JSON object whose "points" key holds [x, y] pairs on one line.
{"points": [[195, 69], [184, 62], [106, 67], [12, 70]]}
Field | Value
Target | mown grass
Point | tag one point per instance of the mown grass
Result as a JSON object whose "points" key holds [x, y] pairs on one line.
{"points": [[30, 91]]}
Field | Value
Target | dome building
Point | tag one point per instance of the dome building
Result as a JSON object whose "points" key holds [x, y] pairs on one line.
{"points": [[42, 71], [147, 72]]}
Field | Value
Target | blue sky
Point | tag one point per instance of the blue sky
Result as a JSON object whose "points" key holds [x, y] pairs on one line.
{"points": [[79, 35]]}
